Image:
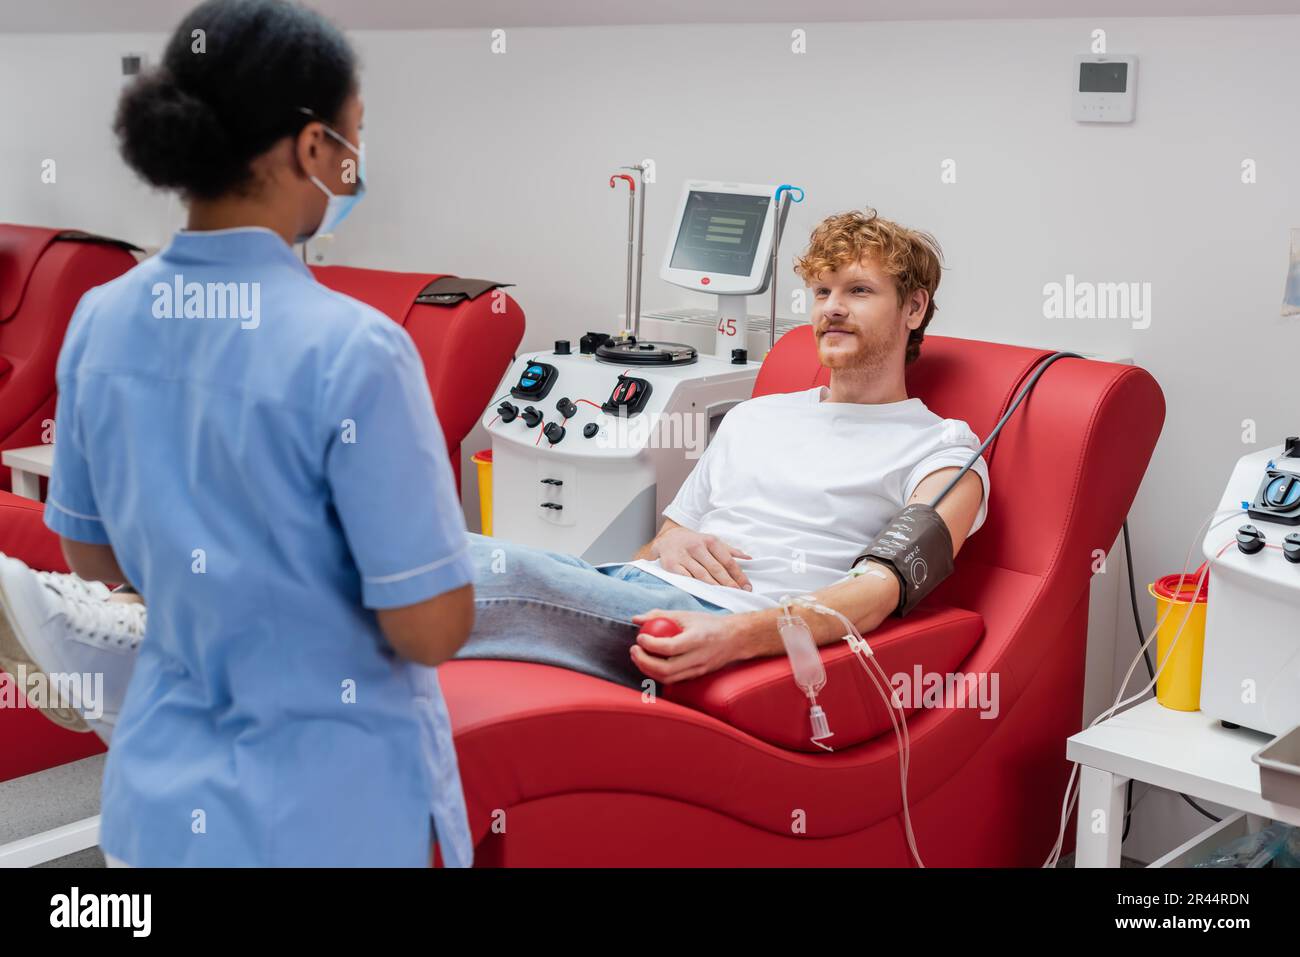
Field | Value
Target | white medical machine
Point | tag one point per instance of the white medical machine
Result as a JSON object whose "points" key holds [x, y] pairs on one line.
{"points": [[589, 447], [1250, 672]]}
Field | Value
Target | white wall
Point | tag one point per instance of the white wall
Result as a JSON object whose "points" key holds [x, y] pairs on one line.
{"points": [[496, 165]]}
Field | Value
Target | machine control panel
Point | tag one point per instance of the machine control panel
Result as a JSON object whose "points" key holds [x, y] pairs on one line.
{"points": [[535, 381], [589, 469], [605, 412]]}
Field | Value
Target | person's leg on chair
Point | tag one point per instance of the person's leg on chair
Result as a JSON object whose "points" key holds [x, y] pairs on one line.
{"points": [[530, 605], [60, 625], [552, 608]]}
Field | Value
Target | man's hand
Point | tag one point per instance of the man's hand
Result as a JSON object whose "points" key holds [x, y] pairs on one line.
{"points": [[704, 557], [706, 643]]}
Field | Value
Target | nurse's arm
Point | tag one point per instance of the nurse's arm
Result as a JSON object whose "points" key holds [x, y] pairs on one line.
{"points": [[92, 562], [431, 631]]}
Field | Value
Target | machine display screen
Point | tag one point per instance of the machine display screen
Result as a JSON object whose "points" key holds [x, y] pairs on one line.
{"points": [[719, 233], [1102, 77]]}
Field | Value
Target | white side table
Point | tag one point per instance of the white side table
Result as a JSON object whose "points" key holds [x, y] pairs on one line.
{"points": [[1183, 751], [28, 466]]}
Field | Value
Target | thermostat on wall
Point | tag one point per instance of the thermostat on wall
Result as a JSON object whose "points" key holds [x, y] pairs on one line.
{"points": [[1105, 88]]}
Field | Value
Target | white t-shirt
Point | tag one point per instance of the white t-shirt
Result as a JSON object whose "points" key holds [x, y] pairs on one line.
{"points": [[804, 485]]}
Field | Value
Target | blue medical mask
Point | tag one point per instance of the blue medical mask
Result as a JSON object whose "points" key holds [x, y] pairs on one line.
{"points": [[338, 205]]}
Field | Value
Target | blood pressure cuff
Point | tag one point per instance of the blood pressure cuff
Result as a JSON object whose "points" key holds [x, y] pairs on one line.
{"points": [[917, 546]]}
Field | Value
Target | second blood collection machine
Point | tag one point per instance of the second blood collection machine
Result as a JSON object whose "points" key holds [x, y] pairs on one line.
{"points": [[590, 444], [1251, 669]]}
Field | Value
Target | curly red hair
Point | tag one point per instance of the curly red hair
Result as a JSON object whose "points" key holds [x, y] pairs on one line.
{"points": [[910, 257]]}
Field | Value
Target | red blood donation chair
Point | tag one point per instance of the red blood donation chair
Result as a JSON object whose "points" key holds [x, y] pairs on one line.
{"points": [[563, 769], [43, 274]]}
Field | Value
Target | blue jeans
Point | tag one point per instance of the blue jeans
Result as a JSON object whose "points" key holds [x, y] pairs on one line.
{"points": [[555, 609]]}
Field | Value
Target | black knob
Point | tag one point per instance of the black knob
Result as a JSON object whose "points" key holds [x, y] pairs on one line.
{"points": [[1250, 539], [566, 408], [590, 429], [531, 416], [1292, 450], [1291, 548], [561, 347], [592, 341], [739, 357], [507, 411], [553, 432]]}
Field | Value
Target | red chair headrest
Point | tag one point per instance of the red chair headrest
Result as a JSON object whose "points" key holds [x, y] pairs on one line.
{"points": [[21, 247]]}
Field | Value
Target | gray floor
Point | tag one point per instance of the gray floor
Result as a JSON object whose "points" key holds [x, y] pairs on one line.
{"points": [[50, 799], [90, 857]]}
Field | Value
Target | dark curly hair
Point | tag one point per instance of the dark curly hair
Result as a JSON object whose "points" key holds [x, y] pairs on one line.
{"points": [[223, 97]]}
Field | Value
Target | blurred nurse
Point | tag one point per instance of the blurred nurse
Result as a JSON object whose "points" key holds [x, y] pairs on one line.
{"points": [[259, 457]]}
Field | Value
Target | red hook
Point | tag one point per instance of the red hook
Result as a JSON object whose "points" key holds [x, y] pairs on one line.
{"points": [[631, 183]]}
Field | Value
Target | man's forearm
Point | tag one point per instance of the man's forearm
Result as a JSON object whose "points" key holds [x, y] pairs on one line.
{"points": [[866, 601]]}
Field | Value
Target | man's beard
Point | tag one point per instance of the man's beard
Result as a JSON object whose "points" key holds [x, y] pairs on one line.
{"points": [[875, 353]]}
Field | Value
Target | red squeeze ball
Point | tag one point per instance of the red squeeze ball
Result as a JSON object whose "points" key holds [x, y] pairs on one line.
{"points": [[660, 628]]}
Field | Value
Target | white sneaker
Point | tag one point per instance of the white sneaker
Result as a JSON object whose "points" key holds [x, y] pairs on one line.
{"points": [[71, 649]]}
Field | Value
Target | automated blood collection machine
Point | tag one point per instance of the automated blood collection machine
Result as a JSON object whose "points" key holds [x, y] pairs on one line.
{"points": [[1251, 669], [590, 445]]}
